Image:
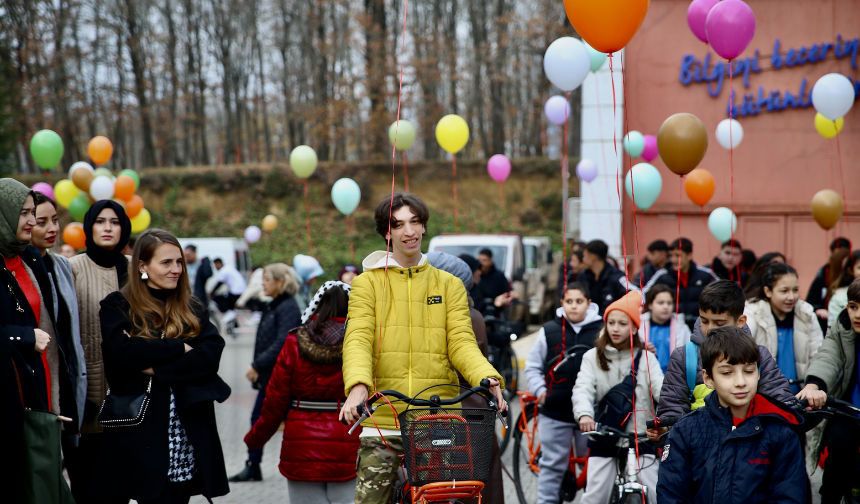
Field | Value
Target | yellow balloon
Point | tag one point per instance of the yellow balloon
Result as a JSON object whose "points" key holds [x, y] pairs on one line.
{"points": [[141, 221], [270, 222], [452, 133], [827, 128], [65, 191]]}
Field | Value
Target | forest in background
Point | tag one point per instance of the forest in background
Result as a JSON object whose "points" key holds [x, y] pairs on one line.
{"points": [[204, 82]]}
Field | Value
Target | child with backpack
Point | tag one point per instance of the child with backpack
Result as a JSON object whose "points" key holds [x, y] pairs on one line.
{"points": [[661, 326], [742, 446], [605, 378], [577, 323]]}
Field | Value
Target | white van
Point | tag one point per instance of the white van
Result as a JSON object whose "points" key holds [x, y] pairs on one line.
{"points": [[233, 251]]}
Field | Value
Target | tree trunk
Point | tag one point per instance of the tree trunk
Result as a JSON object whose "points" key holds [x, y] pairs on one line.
{"points": [[138, 67], [376, 60]]}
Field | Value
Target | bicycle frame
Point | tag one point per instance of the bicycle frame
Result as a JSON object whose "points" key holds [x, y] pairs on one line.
{"points": [[627, 481]]}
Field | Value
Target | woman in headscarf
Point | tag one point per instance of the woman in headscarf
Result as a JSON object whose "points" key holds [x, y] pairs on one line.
{"points": [[317, 454], [101, 270]]}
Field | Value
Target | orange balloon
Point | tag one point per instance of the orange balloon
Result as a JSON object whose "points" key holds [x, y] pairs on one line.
{"points": [[82, 179], [700, 186], [124, 187], [134, 206], [74, 236], [682, 142], [607, 25], [827, 208], [100, 150]]}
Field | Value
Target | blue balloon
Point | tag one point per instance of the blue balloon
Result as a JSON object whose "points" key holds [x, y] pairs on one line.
{"points": [[346, 195], [722, 223], [647, 182]]}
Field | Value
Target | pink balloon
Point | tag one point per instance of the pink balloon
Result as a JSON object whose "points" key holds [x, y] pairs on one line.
{"points": [[730, 27], [650, 152], [499, 167], [45, 189], [586, 170], [696, 15], [557, 109]]}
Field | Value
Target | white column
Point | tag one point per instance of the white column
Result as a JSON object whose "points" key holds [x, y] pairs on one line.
{"points": [[600, 210]]}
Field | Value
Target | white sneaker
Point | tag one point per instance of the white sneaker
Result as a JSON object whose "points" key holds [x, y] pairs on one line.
{"points": [[229, 316]]}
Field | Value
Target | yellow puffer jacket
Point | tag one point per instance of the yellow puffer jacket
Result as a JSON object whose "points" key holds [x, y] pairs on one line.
{"points": [[426, 333]]}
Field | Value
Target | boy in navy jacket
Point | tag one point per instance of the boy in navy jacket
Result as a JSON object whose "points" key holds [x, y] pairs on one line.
{"points": [[741, 447]]}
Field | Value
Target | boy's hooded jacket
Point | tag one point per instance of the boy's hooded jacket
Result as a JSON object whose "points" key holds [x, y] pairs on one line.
{"points": [[674, 398], [707, 459], [426, 332]]}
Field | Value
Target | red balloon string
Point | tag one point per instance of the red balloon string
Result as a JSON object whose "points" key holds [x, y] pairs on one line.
{"points": [[351, 248], [456, 216], [603, 154], [678, 287], [308, 216], [705, 226], [564, 175], [830, 157], [501, 208], [405, 172], [736, 266], [842, 181], [629, 168]]}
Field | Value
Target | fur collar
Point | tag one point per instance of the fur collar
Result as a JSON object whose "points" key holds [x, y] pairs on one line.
{"points": [[316, 353]]}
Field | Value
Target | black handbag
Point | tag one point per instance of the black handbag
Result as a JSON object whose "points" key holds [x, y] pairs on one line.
{"points": [[125, 410]]}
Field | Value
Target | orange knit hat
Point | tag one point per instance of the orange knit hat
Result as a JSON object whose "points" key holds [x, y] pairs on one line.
{"points": [[629, 304]]}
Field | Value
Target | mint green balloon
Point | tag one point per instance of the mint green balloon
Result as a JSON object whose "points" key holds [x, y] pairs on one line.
{"points": [[345, 194], [102, 172], [303, 161], [46, 147], [133, 174], [634, 144], [597, 57], [405, 134], [644, 182]]}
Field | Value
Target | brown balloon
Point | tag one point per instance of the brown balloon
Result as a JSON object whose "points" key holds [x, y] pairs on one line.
{"points": [[827, 207], [82, 178], [682, 142]]}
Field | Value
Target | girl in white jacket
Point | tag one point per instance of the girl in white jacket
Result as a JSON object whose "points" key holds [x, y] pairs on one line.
{"points": [[603, 367]]}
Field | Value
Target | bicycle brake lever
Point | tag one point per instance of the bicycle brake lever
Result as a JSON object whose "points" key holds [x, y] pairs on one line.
{"points": [[560, 364], [504, 422]]}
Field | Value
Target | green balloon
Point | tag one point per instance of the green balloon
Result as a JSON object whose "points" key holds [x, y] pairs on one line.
{"points": [[597, 58], [78, 208], [133, 174], [102, 172], [405, 134], [303, 161], [46, 147]]}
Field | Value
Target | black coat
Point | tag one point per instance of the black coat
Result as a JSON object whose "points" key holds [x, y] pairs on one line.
{"points": [[688, 297], [817, 295], [608, 288], [19, 321], [494, 283], [133, 461], [204, 272], [280, 317], [724, 274]]}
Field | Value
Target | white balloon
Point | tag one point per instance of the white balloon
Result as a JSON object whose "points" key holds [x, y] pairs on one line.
{"points": [[252, 234], [101, 188], [730, 139], [833, 96], [566, 63], [80, 164]]}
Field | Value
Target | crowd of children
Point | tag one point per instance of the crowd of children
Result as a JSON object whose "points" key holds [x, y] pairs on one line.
{"points": [[696, 332]]}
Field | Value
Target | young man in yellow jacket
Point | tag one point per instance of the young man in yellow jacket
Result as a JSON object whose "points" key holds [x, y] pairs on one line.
{"points": [[408, 329]]}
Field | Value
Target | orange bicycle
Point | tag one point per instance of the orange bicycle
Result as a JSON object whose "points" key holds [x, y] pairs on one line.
{"points": [[446, 451], [527, 453]]}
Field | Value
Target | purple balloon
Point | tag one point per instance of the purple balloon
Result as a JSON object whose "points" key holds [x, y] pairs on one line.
{"points": [[730, 27], [650, 151], [557, 109], [45, 189], [499, 167], [697, 13], [586, 170]]}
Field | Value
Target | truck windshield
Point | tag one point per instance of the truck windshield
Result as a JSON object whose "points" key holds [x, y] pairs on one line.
{"points": [[500, 252], [531, 256]]}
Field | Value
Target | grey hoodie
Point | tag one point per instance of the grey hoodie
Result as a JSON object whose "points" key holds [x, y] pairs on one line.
{"points": [[674, 396]]}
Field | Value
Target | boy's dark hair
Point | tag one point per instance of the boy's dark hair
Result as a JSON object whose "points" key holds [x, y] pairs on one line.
{"points": [[218, 259], [682, 244], [487, 252], [723, 296], [730, 343], [577, 286], [578, 245], [840, 242], [598, 248], [854, 291], [191, 247], [658, 289], [748, 260], [384, 214], [658, 246], [769, 276], [732, 243]]}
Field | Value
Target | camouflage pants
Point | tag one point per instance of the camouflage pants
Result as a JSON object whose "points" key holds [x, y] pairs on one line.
{"points": [[376, 469]]}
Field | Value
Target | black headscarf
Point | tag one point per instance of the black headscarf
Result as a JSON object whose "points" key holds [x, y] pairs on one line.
{"points": [[109, 258]]}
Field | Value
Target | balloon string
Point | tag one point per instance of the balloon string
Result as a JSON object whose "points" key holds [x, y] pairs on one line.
{"points": [[680, 248], [564, 178], [405, 172], [308, 216], [501, 208], [830, 147], [705, 226], [603, 153], [456, 212], [842, 181], [349, 234], [736, 266], [627, 128]]}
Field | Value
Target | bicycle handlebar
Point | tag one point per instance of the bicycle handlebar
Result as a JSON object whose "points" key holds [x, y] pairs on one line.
{"points": [[661, 422], [570, 353], [832, 402], [605, 430]]}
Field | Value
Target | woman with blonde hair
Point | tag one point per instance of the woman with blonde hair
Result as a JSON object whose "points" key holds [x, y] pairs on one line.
{"points": [[158, 343], [279, 317]]}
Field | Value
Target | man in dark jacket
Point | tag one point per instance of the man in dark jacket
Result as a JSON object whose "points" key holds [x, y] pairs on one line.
{"points": [[605, 282], [727, 264], [493, 282], [657, 259], [204, 273], [741, 446], [693, 279], [817, 295]]}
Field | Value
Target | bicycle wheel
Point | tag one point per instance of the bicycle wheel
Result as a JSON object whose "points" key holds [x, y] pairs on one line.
{"points": [[509, 368], [526, 455], [504, 434]]}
